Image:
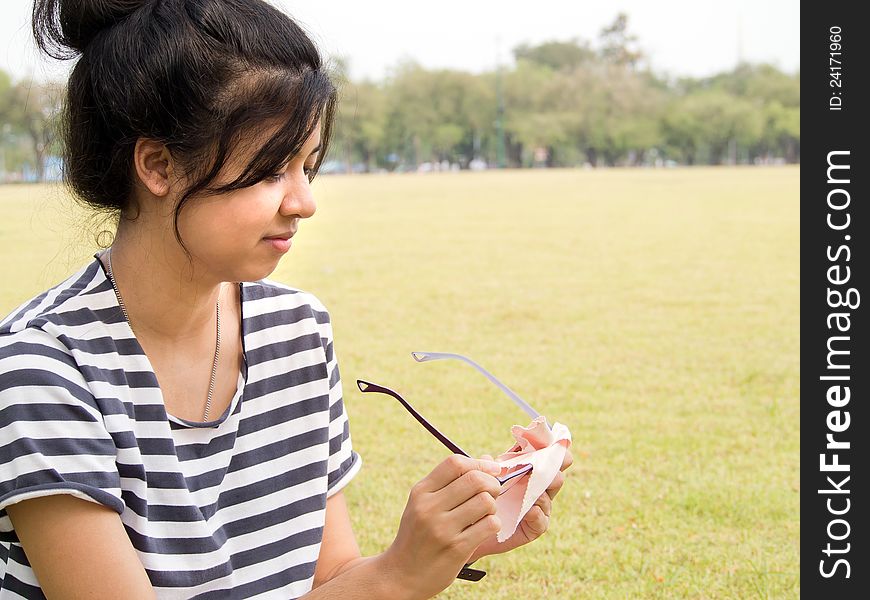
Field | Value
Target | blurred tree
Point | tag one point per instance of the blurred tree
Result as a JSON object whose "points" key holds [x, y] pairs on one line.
{"points": [[556, 55], [360, 126], [715, 122], [774, 131], [479, 105], [781, 132], [411, 113], [5, 99], [529, 118], [619, 47], [682, 131], [436, 115], [777, 97], [5, 126], [628, 119], [33, 110], [762, 82]]}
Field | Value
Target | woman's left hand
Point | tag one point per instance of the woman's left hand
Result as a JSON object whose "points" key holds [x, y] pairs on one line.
{"points": [[535, 522]]}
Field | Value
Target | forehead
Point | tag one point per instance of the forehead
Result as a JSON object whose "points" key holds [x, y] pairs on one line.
{"points": [[257, 137], [246, 155], [313, 140], [310, 143]]}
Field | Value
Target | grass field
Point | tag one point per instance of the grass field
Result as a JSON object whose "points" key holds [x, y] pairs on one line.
{"points": [[656, 313]]}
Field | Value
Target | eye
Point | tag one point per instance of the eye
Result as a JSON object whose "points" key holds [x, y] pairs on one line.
{"points": [[278, 177]]}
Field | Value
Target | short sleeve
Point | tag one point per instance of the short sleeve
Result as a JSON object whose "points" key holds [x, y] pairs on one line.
{"points": [[53, 439], [344, 462]]}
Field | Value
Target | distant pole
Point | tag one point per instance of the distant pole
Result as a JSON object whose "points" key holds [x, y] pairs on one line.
{"points": [[499, 115], [499, 123]]}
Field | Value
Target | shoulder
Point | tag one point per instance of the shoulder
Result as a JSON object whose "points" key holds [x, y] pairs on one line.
{"points": [[74, 302], [39, 370], [268, 297], [285, 318], [39, 339]]}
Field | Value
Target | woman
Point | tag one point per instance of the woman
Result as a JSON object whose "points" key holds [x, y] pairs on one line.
{"points": [[172, 423]]}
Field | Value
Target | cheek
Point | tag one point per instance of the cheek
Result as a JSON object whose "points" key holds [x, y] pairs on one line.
{"points": [[225, 224]]}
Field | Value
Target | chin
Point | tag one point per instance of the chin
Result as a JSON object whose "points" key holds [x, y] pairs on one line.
{"points": [[261, 273], [243, 266], [246, 273]]}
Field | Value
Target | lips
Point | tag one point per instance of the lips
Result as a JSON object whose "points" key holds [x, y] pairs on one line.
{"points": [[280, 244], [282, 236]]}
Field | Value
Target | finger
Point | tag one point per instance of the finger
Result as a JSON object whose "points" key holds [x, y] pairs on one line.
{"points": [[546, 504], [536, 521], [568, 460], [482, 530], [556, 485], [473, 510], [466, 487], [454, 467]]}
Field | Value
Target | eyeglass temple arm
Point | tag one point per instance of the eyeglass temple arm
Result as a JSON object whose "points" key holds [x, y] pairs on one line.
{"points": [[427, 356], [466, 573], [367, 386]]}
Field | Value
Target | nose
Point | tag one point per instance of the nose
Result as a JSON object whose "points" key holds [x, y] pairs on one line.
{"points": [[298, 198]]}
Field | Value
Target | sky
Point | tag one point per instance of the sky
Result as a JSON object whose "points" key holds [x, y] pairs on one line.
{"points": [[681, 37]]}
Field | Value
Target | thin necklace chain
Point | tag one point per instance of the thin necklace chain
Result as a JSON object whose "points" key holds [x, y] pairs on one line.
{"points": [[217, 343]]}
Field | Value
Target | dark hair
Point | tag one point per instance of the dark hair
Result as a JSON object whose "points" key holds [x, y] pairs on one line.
{"points": [[199, 76]]}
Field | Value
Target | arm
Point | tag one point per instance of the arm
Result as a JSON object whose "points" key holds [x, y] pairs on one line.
{"points": [[339, 551], [341, 571], [448, 514], [94, 558]]}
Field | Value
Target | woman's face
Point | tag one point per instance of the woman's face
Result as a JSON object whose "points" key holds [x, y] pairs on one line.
{"points": [[241, 235]]}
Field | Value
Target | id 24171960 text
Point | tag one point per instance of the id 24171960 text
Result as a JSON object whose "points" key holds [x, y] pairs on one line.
{"points": [[835, 67]]}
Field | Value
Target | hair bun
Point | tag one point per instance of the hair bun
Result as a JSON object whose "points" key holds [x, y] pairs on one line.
{"points": [[64, 28]]}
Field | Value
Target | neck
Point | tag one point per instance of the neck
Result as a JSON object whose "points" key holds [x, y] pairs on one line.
{"points": [[167, 295]]}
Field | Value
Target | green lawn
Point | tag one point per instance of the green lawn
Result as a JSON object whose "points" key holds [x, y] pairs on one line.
{"points": [[655, 312]]}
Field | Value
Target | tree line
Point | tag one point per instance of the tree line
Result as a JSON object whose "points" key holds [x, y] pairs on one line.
{"points": [[563, 104], [569, 103]]}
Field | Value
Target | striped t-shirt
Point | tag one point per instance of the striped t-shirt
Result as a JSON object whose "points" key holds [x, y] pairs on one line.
{"points": [[232, 508]]}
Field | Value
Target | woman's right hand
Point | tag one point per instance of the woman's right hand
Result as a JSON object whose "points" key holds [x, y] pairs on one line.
{"points": [[449, 513]]}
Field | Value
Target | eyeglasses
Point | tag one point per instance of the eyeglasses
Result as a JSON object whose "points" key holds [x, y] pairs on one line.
{"points": [[507, 481]]}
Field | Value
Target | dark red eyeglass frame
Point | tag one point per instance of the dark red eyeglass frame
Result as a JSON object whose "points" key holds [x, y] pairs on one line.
{"points": [[466, 573], [367, 386]]}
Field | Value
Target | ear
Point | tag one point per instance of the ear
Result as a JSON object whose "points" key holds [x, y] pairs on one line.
{"points": [[153, 165]]}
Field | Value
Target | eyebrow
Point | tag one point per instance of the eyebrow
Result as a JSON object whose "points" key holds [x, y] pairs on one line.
{"points": [[317, 149]]}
